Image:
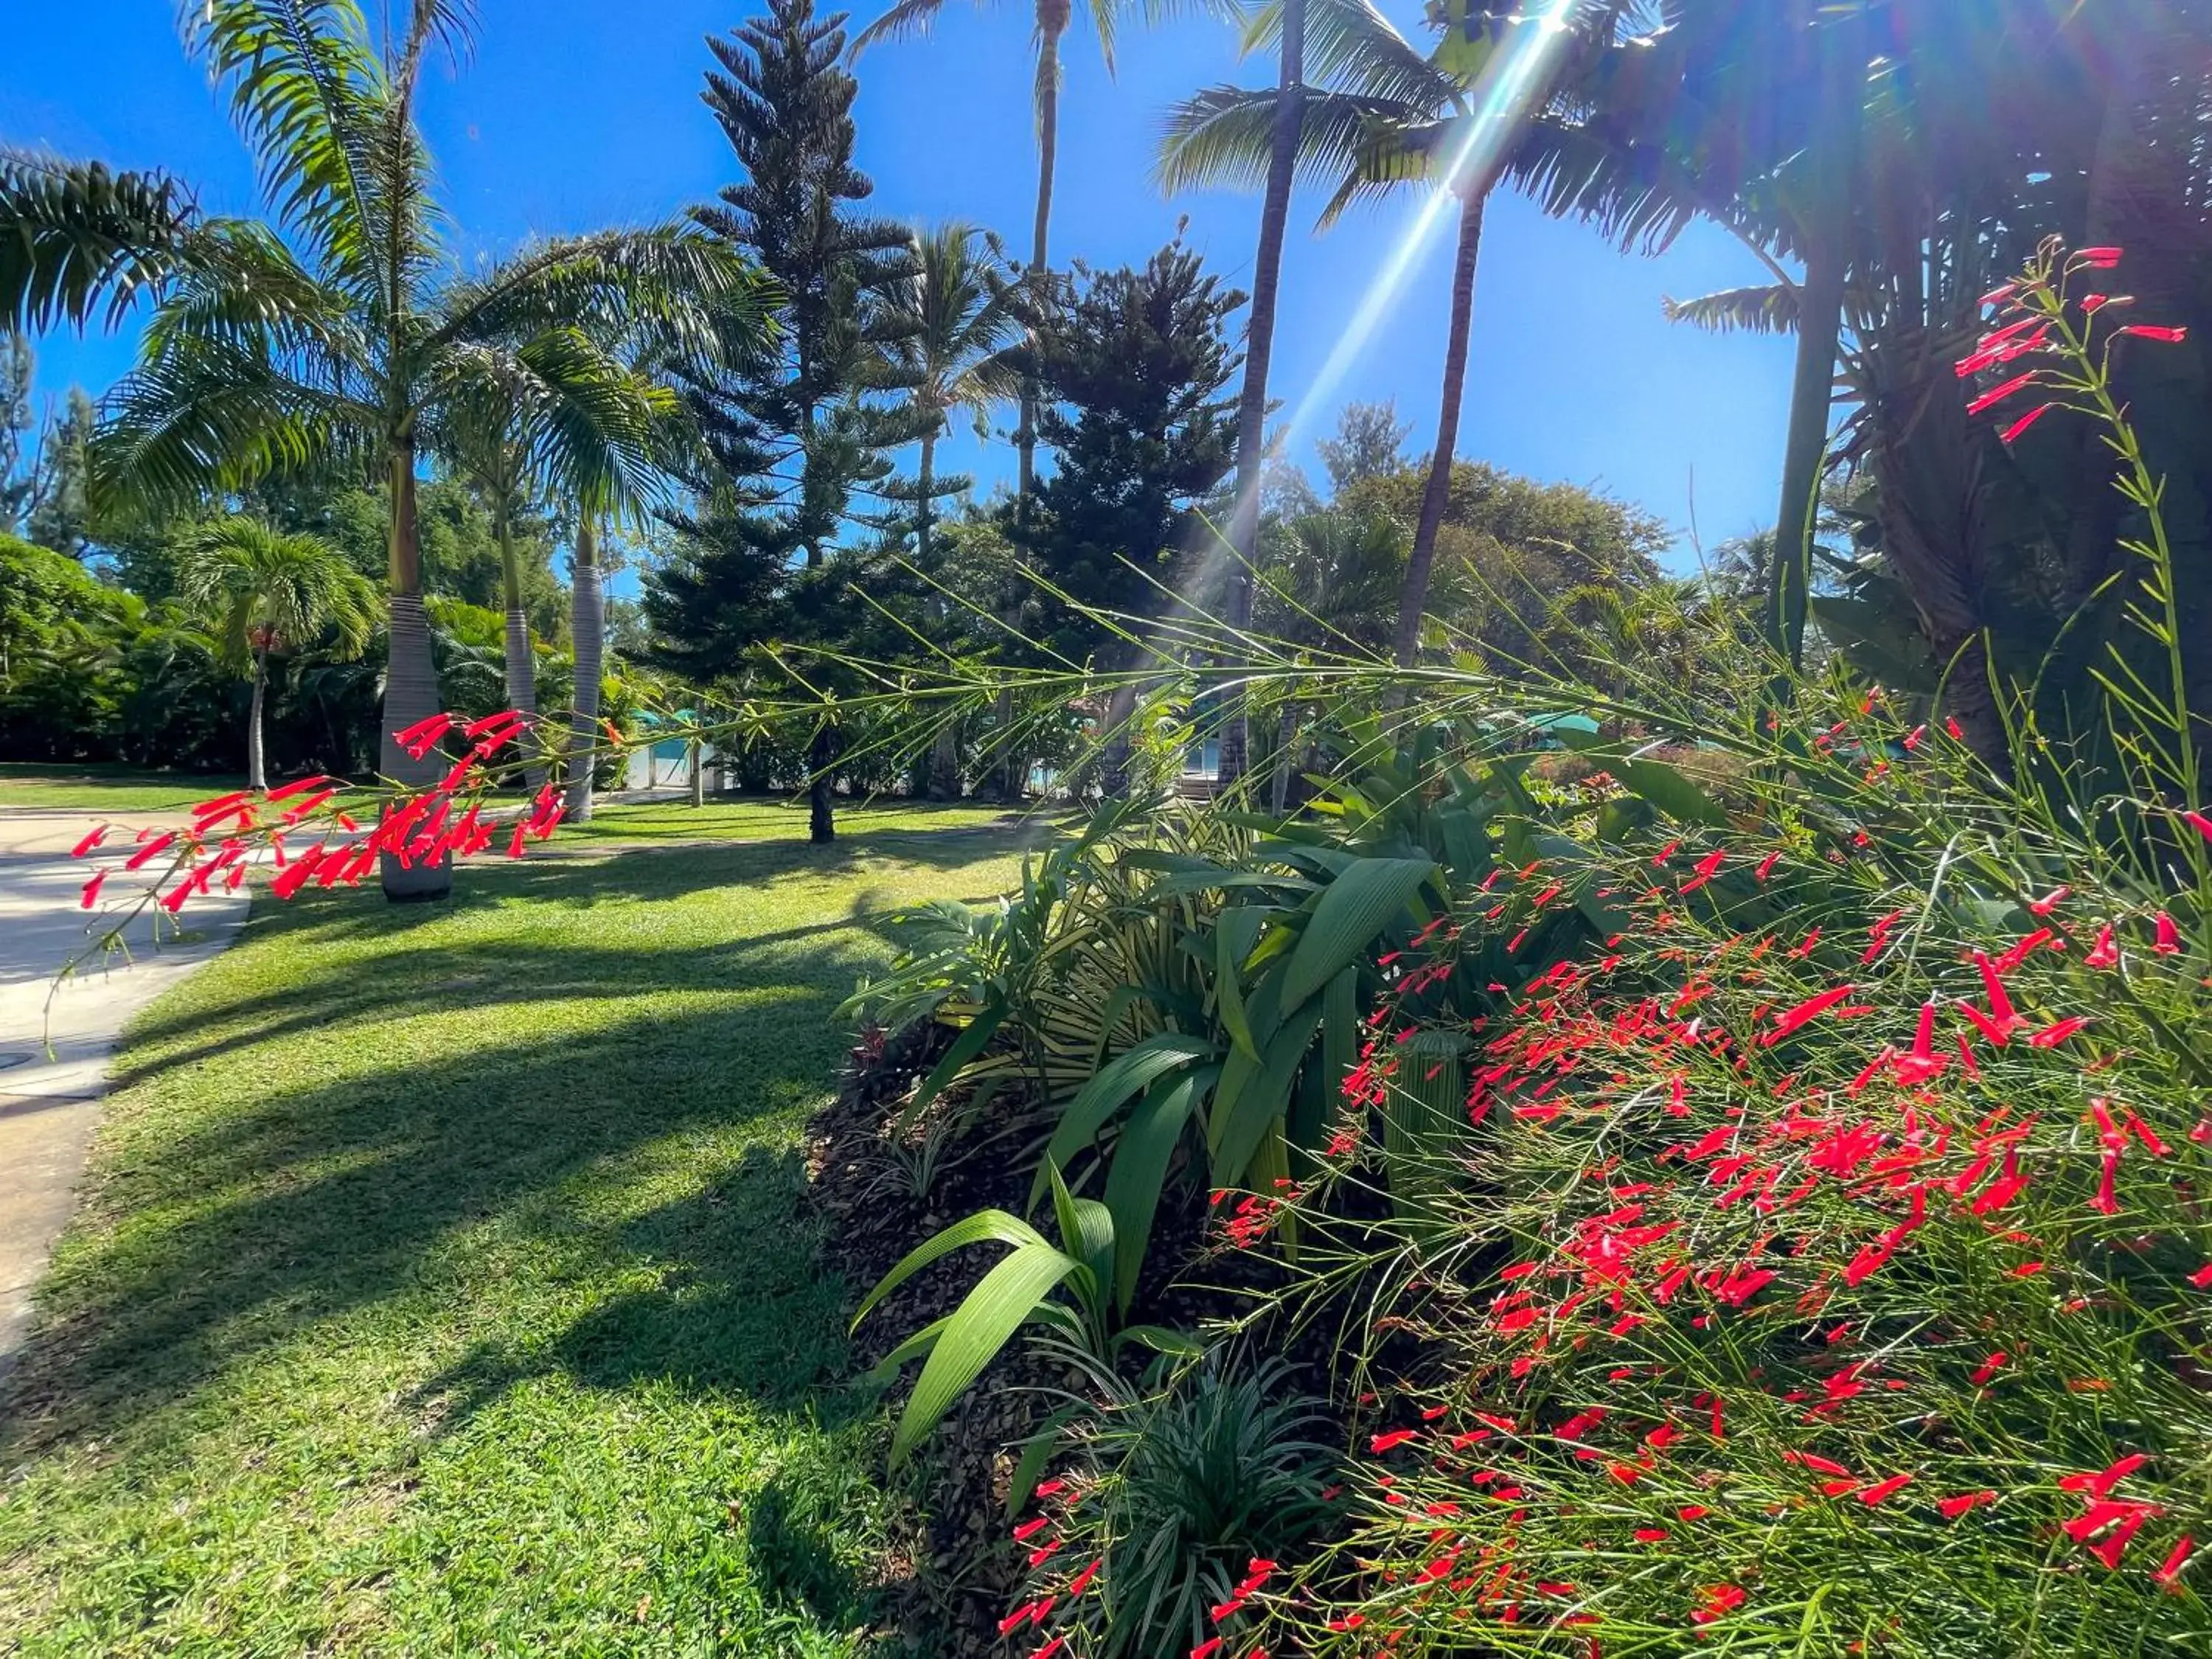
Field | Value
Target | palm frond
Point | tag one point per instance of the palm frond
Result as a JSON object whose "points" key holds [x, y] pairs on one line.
{"points": [[310, 95], [906, 20], [671, 287], [79, 243], [1770, 309], [209, 416], [1223, 135]]}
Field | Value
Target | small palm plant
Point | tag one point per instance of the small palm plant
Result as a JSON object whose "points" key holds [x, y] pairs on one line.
{"points": [[267, 593]]}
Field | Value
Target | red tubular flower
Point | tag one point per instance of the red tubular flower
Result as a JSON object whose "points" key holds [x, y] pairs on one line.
{"points": [[1719, 1601], [222, 806], [1989, 1368], [2105, 953], [2100, 258], [2169, 937], [1767, 864], [1395, 1437], [301, 809], [421, 737], [92, 889], [2017, 429], [1819, 1464], [301, 785], [152, 849], [2052, 1035], [1883, 1490], [2199, 823], [84, 847], [1081, 1582], [1990, 399], [1207, 1649], [505, 720], [1952, 1508], [2099, 1483], [2176, 1560], [1791, 1019], [2050, 902], [1030, 1530], [2149, 331]]}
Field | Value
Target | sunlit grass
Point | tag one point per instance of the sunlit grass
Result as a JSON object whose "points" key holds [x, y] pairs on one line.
{"points": [[104, 788], [446, 1282]]}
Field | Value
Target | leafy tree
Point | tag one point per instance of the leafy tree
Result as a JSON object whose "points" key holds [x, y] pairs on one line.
{"points": [[268, 593], [1518, 561], [796, 432], [334, 336], [1369, 442], [62, 516], [1134, 369], [19, 447], [909, 18]]}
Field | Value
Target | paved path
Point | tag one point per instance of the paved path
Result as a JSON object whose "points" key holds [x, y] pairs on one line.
{"points": [[55, 1042]]}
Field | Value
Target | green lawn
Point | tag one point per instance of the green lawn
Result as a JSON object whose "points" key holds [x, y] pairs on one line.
{"points": [[101, 788], [445, 1284], [758, 818]]}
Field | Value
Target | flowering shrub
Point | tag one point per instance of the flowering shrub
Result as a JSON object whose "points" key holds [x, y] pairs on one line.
{"points": [[1829, 1269]]}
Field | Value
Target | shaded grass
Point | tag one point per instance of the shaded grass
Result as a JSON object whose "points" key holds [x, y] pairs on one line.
{"points": [[445, 1284]]}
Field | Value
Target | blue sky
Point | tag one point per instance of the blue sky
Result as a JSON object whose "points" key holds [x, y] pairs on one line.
{"points": [[572, 115]]}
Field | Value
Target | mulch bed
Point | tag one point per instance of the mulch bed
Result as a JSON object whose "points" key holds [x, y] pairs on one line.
{"points": [[949, 1581]]}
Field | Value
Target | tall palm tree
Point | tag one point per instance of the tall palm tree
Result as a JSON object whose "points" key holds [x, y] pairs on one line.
{"points": [[335, 333], [907, 19], [268, 592], [561, 416], [587, 636], [1373, 113], [951, 321]]}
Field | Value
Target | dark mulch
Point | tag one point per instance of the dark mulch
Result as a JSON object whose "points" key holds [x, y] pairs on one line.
{"points": [[956, 1575]]}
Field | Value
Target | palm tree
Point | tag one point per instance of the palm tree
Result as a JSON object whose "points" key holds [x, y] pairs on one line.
{"points": [[587, 635], [950, 321], [909, 18], [563, 415], [335, 334], [268, 592], [1372, 113]]}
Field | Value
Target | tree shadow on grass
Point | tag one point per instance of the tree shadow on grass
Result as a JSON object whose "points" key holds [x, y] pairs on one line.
{"points": [[230, 1221], [492, 973]]}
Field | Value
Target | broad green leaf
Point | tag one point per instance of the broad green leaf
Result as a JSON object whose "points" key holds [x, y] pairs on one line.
{"points": [[984, 1227], [1160, 1340], [1125, 1075], [1086, 1232], [1235, 1127], [919, 1343], [1667, 789], [965, 1046], [973, 1336], [1234, 931], [1358, 906], [1140, 1171]]}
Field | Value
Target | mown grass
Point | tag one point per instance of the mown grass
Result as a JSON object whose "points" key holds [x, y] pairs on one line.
{"points": [[103, 789], [755, 818], [445, 1283]]}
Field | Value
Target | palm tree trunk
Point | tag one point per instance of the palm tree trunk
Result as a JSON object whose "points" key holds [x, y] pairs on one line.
{"points": [[587, 622], [945, 762], [410, 683], [924, 478], [1437, 492], [1819, 335], [521, 664], [1258, 354], [257, 768], [821, 813], [1052, 19]]}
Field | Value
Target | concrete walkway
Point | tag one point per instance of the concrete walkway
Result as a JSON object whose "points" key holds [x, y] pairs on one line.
{"points": [[55, 1039]]}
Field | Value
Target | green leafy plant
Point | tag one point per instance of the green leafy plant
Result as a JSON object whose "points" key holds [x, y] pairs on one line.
{"points": [[1017, 1292]]}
